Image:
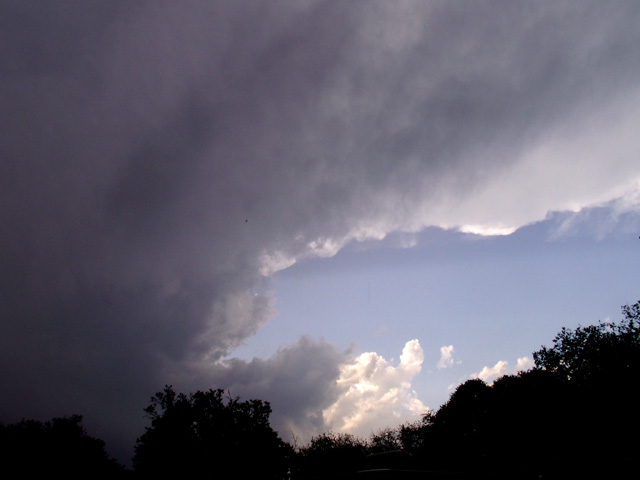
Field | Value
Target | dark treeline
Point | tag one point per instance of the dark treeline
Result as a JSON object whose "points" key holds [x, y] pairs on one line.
{"points": [[573, 415], [62, 445]]}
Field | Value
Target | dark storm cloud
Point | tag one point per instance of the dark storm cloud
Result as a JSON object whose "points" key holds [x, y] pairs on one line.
{"points": [[159, 158], [299, 380]]}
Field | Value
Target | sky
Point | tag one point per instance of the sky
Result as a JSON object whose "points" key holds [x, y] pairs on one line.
{"points": [[343, 208]]}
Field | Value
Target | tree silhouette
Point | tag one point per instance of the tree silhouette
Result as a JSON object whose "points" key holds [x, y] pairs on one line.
{"points": [[571, 416], [385, 440], [59, 446], [331, 454], [460, 422], [590, 355], [205, 433], [600, 363], [411, 435]]}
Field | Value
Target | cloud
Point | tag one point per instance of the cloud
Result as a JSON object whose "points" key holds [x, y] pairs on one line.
{"points": [[619, 216], [160, 161], [491, 373], [524, 363], [446, 357], [564, 170], [501, 368], [313, 387], [376, 394], [299, 380]]}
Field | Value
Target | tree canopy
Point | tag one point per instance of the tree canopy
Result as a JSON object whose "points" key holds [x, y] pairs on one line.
{"points": [[208, 433], [572, 415], [60, 445], [595, 353]]}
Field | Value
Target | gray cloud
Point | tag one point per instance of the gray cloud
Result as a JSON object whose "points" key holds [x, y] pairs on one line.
{"points": [[158, 159], [299, 380]]}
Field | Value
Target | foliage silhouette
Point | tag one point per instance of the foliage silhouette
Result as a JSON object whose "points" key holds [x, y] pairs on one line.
{"points": [[572, 415], [599, 365], [205, 433], [59, 446], [411, 435], [334, 454], [590, 355], [385, 440]]}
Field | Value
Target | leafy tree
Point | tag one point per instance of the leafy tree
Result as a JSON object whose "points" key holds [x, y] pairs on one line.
{"points": [[572, 415], [464, 411], [594, 353], [385, 440], [331, 453], [600, 363], [331, 440], [386, 450], [60, 445], [209, 434], [412, 435], [461, 421]]}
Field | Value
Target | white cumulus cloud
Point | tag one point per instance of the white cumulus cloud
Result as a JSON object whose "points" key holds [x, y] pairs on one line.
{"points": [[376, 394], [446, 357], [501, 368]]}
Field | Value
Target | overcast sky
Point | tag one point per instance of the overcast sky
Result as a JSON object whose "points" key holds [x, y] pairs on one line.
{"points": [[344, 208]]}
